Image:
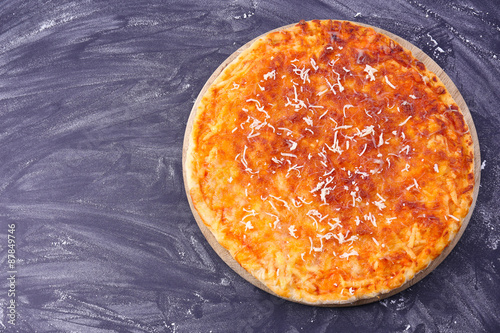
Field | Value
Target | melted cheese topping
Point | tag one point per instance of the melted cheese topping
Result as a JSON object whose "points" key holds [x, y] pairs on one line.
{"points": [[330, 163]]}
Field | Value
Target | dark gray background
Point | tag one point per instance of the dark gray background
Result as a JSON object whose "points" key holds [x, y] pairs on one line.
{"points": [[94, 99]]}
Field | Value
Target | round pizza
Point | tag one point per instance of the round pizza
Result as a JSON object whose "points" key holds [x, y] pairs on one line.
{"points": [[330, 162]]}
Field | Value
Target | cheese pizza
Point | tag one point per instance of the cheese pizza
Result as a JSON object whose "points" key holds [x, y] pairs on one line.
{"points": [[330, 163]]}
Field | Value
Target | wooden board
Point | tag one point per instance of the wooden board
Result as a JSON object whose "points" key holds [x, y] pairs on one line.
{"points": [[452, 89]]}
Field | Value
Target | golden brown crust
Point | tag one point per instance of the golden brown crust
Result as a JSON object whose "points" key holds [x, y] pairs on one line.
{"points": [[330, 162]]}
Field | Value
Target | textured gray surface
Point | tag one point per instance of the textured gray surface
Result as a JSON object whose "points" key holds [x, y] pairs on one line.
{"points": [[94, 98]]}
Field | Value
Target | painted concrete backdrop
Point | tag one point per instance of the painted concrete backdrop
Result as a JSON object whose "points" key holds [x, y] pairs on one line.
{"points": [[94, 99]]}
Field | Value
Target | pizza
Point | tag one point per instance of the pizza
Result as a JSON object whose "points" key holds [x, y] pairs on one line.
{"points": [[329, 162]]}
